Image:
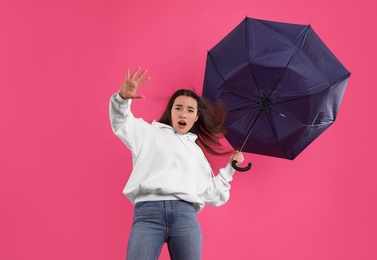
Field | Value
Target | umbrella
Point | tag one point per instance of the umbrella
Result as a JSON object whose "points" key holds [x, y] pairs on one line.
{"points": [[281, 85]]}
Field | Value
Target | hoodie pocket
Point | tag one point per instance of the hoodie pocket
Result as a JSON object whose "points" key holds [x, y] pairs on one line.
{"points": [[172, 183]]}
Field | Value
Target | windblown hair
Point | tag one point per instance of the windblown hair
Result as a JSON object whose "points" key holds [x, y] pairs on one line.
{"points": [[210, 125]]}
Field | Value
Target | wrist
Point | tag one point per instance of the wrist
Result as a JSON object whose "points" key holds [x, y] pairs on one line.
{"points": [[120, 94]]}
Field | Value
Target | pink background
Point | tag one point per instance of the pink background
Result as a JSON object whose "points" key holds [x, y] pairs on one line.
{"points": [[63, 171]]}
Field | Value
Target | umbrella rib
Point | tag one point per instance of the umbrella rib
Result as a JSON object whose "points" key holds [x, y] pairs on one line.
{"points": [[241, 108], [290, 60], [275, 133], [315, 93], [257, 84], [215, 65], [291, 117], [241, 96], [273, 130], [213, 60]]}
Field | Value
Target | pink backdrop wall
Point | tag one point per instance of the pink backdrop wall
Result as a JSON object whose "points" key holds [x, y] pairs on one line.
{"points": [[62, 170]]}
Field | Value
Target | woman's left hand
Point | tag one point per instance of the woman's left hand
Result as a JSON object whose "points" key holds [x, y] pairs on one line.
{"points": [[236, 156]]}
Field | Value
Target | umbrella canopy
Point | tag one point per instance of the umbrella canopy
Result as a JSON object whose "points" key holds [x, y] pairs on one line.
{"points": [[281, 85]]}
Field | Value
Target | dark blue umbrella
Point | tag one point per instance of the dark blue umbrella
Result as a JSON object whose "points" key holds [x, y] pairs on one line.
{"points": [[281, 85]]}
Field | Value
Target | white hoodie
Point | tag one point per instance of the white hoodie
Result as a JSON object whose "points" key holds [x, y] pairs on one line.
{"points": [[166, 165]]}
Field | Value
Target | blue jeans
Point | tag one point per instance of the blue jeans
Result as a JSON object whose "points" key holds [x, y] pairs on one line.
{"points": [[170, 221]]}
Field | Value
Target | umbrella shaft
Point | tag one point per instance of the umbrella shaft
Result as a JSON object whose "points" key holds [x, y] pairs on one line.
{"points": [[251, 129]]}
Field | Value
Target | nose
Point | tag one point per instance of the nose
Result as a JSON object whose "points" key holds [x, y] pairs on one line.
{"points": [[182, 115]]}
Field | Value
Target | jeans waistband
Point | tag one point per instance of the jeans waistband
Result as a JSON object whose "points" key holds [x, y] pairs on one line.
{"points": [[154, 197]]}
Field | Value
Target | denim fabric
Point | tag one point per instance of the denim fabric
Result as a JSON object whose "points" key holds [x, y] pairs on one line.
{"points": [[157, 222]]}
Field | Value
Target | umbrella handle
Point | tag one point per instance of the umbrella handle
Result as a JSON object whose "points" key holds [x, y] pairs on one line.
{"points": [[240, 169]]}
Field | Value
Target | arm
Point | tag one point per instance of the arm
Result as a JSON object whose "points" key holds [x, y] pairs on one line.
{"points": [[123, 123], [217, 192]]}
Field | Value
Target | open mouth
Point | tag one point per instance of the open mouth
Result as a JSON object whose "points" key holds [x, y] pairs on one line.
{"points": [[182, 123]]}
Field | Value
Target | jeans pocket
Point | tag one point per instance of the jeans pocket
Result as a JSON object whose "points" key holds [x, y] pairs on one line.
{"points": [[138, 204]]}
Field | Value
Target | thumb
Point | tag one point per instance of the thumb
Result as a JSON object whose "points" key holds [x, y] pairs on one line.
{"points": [[137, 96]]}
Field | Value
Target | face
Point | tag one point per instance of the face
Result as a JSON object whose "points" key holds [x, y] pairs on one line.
{"points": [[184, 114]]}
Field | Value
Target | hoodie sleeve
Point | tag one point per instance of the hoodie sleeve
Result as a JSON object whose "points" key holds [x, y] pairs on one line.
{"points": [[217, 192], [124, 125]]}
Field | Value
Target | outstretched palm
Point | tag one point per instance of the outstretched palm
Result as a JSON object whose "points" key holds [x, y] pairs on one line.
{"points": [[132, 83]]}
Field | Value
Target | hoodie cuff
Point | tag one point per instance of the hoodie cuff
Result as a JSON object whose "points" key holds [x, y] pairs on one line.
{"points": [[228, 172], [121, 101]]}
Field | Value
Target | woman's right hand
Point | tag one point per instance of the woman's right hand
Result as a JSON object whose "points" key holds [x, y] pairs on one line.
{"points": [[132, 83]]}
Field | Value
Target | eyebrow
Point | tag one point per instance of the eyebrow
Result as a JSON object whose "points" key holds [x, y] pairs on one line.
{"points": [[179, 105]]}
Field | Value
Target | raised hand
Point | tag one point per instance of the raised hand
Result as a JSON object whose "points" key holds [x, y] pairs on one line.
{"points": [[132, 83]]}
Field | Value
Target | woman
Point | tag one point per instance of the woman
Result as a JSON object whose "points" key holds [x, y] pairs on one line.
{"points": [[171, 179]]}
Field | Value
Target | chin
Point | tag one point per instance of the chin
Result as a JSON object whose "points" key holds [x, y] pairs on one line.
{"points": [[181, 131]]}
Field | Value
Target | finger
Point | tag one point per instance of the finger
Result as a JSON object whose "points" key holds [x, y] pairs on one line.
{"points": [[138, 97], [135, 73], [141, 75], [144, 81], [238, 156], [128, 73]]}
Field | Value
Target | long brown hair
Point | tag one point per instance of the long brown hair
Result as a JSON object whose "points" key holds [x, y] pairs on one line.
{"points": [[210, 125]]}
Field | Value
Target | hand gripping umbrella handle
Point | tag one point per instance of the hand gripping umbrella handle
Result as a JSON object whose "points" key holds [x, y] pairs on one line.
{"points": [[240, 169]]}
